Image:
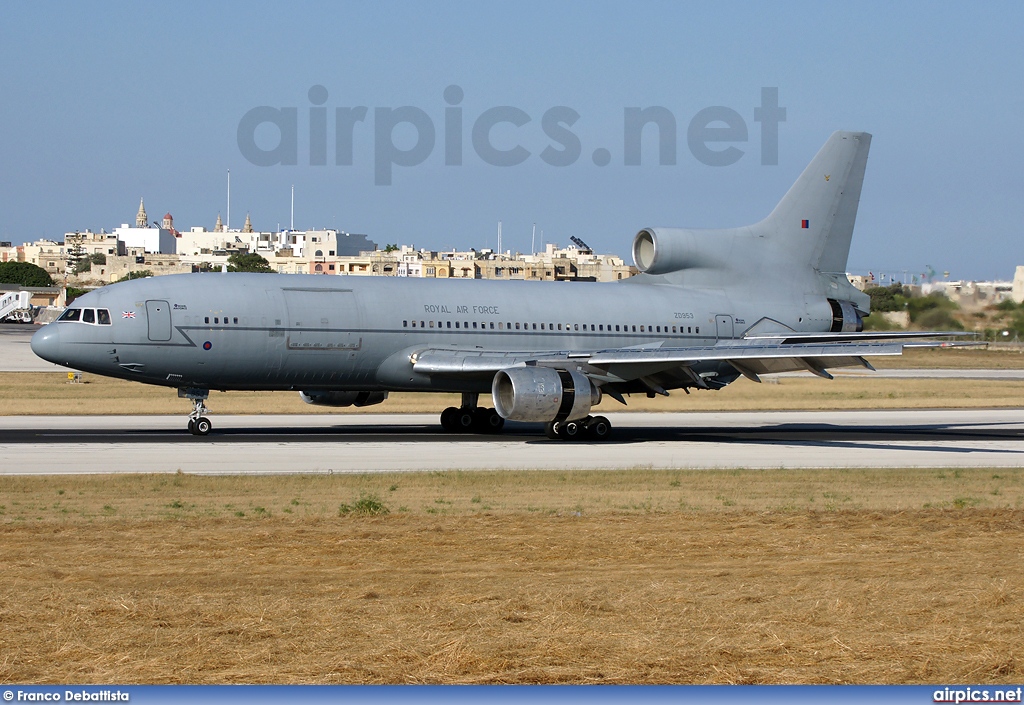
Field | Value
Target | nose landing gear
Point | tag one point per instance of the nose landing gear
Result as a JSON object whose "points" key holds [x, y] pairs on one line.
{"points": [[198, 424]]}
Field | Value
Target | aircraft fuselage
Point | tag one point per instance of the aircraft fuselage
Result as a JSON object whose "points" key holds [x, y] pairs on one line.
{"points": [[308, 332]]}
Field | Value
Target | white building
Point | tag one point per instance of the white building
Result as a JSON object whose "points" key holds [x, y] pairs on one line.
{"points": [[154, 240]]}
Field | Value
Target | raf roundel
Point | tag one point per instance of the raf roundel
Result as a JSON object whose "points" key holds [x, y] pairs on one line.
{"points": [[207, 345]]}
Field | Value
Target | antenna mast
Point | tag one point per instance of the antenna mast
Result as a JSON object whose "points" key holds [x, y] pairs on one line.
{"points": [[228, 227], [293, 208]]}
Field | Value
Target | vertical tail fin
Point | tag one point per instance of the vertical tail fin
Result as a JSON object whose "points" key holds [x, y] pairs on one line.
{"points": [[814, 220]]}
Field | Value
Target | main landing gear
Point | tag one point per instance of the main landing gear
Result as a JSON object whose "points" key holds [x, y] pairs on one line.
{"points": [[198, 424], [470, 418], [592, 428]]}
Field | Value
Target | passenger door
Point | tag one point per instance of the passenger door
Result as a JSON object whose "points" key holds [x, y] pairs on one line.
{"points": [[159, 315], [724, 325]]}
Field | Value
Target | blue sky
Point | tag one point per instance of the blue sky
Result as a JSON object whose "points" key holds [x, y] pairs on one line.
{"points": [[107, 102]]}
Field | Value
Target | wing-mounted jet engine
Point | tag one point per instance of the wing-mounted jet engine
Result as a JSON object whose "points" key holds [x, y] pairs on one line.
{"points": [[562, 399]]}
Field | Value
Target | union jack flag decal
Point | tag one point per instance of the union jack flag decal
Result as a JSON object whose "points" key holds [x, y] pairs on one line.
{"points": [[127, 314]]}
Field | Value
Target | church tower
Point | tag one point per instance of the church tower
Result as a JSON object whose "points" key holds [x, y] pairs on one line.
{"points": [[248, 225], [219, 227], [141, 221], [168, 222]]}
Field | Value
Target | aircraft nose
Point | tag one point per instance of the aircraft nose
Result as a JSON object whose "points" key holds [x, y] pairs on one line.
{"points": [[46, 343]]}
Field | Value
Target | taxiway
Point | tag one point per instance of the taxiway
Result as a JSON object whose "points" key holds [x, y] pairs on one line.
{"points": [[415, 442]]}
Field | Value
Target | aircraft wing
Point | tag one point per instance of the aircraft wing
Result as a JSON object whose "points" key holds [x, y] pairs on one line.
{"points": [[750, 357]]}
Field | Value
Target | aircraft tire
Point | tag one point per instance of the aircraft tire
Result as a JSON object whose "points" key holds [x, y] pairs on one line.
{"points": [[202, 426], [448, 421], [551, 430], [570, 430], [192, 426], [464, 420], [599, 428], [488, 421]]}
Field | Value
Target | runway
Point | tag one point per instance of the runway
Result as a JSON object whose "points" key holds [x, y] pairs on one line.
{"points": [[415, 442]]}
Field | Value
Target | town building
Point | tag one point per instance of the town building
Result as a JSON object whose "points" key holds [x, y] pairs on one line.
{"points": [[152, 238]]}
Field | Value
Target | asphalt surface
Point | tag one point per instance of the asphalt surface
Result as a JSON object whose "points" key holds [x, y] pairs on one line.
{"points": [[370, 443]]}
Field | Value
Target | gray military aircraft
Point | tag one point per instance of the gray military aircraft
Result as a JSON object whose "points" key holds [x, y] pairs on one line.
{"points": [[708, 307]]}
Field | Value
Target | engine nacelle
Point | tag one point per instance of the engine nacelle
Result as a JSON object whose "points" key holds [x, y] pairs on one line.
{"points": [[664, 250], [341, 399], [543, 394], [845, 317]]}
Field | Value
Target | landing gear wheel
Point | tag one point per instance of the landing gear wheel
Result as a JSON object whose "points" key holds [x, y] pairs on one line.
{"points": [[570, 430], [448, 421], [487, 421], [464, 420], [201, 426], [551, 429], [599, 428], [192, 426]]}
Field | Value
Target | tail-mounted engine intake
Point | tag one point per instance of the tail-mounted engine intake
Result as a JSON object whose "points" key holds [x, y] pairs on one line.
{"points": [[339, 399], [845, 317], [543, 394], [664, 250]]}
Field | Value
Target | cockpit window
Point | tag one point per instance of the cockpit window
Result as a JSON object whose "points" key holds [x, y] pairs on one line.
{"points": [[95, 316]]}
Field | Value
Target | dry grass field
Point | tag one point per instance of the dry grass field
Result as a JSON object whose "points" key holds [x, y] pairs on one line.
{"points": [[737, 576], [783, 576]]}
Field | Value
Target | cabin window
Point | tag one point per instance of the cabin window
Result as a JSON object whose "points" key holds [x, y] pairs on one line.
{"points": [[600, 327], [501, 326], [492, 325], [616, 328], [423, 324], [449, 324], [103, 317], [456, 324], [207, 319], [659, 329], [535, 326], [559, 326], [542, 326], [431, 324], [405, 324], [88, 315], [673, 329], [698, 330], [474, 325], [634, 329], [235, 321], [517, 326]]}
